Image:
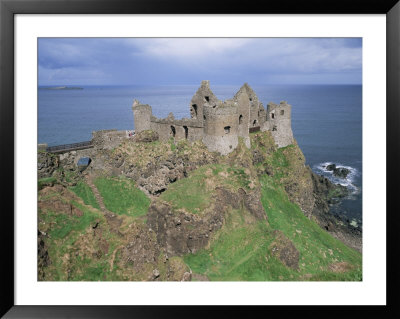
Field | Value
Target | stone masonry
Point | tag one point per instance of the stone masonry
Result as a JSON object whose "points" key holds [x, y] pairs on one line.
{"points": [[220, 124]]}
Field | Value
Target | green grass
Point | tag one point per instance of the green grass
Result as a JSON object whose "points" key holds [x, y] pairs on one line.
{"points": [[237, 253], [172, 143], [85, 192], [194, 195], [189, 193], [317, 248], [65, 234], [122, 197], [240, 251], [65, 224]]}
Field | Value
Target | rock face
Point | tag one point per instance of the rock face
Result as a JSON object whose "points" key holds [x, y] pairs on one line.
{"points": [[47, 164], [43, 259], [180, 232]]}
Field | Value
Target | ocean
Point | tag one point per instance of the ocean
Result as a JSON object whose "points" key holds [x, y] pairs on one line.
{"points": [[326, 121]]}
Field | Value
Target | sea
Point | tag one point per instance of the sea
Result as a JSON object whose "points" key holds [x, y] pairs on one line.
{"points": [[326, 121]]}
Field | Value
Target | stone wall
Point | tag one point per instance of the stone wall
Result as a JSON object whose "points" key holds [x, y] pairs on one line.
{"points": [[108, 139], [279, 123]]}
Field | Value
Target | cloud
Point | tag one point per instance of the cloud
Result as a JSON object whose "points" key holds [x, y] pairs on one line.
{"points": [[183, 60], [190, 48]]}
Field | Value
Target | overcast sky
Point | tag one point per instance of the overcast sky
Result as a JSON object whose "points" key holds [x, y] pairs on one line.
{"points": [[159, 61]]}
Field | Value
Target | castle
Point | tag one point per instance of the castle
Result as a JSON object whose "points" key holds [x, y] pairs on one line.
{"points": [[219, 124]]}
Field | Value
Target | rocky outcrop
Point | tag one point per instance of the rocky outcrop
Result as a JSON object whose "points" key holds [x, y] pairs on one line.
{"points": [[141, 247], [327, 194], [46, 164], [43, 259], [156, 178], [146, 136], [180, 232], [340, 172]]}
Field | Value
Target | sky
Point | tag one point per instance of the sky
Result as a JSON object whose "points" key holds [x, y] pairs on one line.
{"points": [[173, 61]]}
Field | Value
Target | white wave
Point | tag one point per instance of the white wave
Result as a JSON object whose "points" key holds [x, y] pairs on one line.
{"points": [[347, 182]]}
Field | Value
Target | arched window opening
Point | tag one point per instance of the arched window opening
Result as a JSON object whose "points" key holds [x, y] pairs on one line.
{"points": [[194, 106], [173, 131], [240, 119], [186, 132], [254, 122]]}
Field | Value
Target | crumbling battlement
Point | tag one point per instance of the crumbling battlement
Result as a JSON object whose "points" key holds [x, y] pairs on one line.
{"points": [[217, 123]]}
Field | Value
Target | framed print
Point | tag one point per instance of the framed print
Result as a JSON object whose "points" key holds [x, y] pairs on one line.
{"points": [[148, 167]]}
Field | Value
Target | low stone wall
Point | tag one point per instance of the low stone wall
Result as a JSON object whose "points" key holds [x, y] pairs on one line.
{"points": [[108, 139], [177, 130]]}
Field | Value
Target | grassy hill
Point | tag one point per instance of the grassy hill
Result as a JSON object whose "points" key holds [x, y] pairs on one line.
{"points": [[238, 217]]}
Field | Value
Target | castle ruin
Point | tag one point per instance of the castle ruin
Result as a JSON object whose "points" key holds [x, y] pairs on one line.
{"points": [[219, 124]]}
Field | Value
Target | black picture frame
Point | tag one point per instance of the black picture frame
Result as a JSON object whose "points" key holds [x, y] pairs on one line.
{"points": [[8, 8]]}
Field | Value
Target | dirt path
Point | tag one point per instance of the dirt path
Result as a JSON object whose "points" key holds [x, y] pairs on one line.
{"points": [[89, 181], [112, 219]]}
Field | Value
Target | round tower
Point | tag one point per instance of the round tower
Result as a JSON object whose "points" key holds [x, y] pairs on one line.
{"points": [[141, 116], [221, 127]]}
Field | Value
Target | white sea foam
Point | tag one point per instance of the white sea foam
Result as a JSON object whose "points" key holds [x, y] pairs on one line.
{"points": [[348, 181]]}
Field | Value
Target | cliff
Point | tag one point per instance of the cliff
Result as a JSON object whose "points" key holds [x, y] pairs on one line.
{"points": [[173, 210]]}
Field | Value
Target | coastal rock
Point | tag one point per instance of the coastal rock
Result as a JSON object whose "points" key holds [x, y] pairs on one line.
{"points": [[340, 172]]}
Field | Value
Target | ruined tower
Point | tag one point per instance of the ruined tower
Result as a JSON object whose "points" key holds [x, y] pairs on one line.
{"points": [[204, 97], [142, 116], [279, 123], [221, 127]]}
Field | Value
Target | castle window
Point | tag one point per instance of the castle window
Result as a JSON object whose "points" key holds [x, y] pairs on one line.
{"points": [[195, 110], [274, 128], [282, 112], [207, 98], [250, 99], [254, 122], [272, 115], [186, 131], [173, 131], [227, 129], [204, 117], [240, 119]]}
